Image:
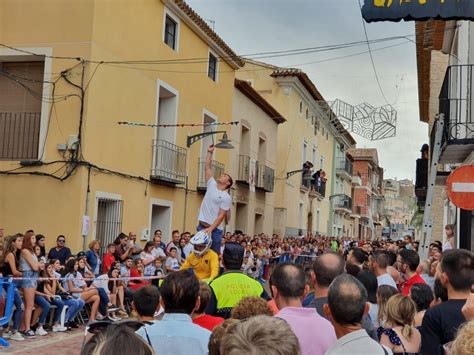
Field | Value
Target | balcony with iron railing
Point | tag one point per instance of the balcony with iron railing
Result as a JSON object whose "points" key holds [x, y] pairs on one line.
{"points": [[342, 203], [265, 178], [455, 103], [169, 163], [19, 135], [344, 168], [217, 170]]}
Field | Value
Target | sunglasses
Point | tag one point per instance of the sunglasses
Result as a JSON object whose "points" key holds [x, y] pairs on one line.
{"points": [[61, 241]]}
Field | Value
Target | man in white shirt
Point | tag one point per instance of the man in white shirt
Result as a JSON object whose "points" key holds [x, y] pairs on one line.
{"points": [[378, 263], [216, 204], [347, 304]]}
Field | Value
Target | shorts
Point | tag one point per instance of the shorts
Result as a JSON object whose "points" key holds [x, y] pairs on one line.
{"points": [[30, 279]]}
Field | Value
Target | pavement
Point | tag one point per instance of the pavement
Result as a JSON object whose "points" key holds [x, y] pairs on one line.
{"points": [[64, 343]]}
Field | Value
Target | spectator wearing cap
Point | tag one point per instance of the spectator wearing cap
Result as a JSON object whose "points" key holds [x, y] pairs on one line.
{"points": [[347, 303], [315, 333], [233, 285], [60, 252], [176, 333], [408, 261]]}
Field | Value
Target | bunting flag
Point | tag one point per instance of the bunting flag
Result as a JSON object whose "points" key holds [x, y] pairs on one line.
{"points": [[140, 124]]}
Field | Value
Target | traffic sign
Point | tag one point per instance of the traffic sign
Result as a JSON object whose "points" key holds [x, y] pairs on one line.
{"points": [[460, 185]]}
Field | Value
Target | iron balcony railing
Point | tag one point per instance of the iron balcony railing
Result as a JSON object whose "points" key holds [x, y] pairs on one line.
{"points": [[266, 178], [342, 202], [455, 102], [244, 169], [19, 135], [343, 166], [169, 163], [217, 170]]}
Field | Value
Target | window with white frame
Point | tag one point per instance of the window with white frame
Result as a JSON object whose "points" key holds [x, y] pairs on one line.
{"points": [[305, 146], [314, 156], [322, 162], [212, 68], [171, 32]]}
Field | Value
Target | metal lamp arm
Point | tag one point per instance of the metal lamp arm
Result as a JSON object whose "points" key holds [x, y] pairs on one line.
{"points": [[193, 139]]}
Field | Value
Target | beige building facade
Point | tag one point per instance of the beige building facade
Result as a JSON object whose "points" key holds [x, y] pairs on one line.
{"points": [[253, 161], [301, 205]]}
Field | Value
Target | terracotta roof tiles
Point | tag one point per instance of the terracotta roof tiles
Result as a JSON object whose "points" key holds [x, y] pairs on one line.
{"points": [[198, 20]]}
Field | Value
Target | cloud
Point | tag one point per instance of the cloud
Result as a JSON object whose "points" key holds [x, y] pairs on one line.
{"points": [[268, 25]]}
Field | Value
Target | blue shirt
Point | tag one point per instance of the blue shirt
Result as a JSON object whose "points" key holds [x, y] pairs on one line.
{"points": [[176, 334], [94, 261]]}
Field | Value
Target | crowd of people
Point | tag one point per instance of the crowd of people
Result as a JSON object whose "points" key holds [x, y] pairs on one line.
{"points": [[257, 294]]}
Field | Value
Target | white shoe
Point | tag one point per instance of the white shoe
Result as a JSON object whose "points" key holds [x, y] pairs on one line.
{"points": [[17, 336], [59, 328], [7, 335], [99, 316], [114, 317], [41, 332]]}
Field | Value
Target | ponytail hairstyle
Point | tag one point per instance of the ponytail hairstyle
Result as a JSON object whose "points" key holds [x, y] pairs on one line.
{"points": [[401, 311], [384, 292]]}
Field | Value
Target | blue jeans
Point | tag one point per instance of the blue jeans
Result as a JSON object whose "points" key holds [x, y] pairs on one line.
{"points": [[104, 301], [216, 238], [42, 302], [74, 307], [18, 302]]}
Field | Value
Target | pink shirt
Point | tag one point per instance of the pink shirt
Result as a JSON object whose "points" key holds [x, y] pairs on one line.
{"points": [[315, 333]]}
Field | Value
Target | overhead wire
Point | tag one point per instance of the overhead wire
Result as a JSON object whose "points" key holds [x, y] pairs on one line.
{"points": [[372, 58]]}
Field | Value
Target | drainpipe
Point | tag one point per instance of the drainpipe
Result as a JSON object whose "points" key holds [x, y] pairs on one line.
{"points": [[333, 184], [186, 191], [86, 210]]}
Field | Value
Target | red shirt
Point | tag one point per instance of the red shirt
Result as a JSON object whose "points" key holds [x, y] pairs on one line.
{"points": [[415, 279], [207, 321], [108, 261], [136, 284]]}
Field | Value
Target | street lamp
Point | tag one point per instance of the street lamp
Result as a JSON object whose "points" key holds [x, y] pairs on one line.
{"points": [[306, 177], [223, 144]]}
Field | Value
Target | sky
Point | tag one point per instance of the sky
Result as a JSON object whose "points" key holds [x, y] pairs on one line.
{"points": [[255, 26]]}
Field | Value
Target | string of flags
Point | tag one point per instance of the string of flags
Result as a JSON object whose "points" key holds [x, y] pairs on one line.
{"points": [[140, 124]]}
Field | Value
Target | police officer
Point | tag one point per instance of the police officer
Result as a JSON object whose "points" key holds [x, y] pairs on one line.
{"points": [[233, 285]]}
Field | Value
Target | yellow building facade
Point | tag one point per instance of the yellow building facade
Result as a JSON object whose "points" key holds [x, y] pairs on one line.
{"points": [[307, 136], [253, 161], [85, 66]]}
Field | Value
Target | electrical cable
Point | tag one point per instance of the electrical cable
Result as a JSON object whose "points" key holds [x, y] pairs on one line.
{"points": [[372, 58]]}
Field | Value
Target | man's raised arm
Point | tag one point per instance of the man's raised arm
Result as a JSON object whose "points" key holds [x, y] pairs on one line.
{"points": [[208, 164]]}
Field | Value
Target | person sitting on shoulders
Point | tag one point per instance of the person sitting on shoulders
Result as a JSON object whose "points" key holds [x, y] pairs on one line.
{"points": [[203, 261]]}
